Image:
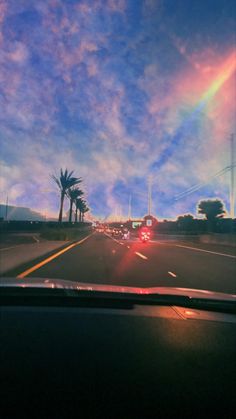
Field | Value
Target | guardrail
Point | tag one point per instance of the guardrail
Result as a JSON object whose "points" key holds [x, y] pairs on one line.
{"points": [[215, 238]]}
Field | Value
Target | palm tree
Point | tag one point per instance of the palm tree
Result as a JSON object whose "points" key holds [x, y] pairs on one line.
{"points": [[85, 209], [73, 194], [79, 204], [64, 182]]}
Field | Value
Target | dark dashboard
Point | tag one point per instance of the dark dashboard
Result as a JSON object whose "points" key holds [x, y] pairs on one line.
{"points": [[142, 362]]}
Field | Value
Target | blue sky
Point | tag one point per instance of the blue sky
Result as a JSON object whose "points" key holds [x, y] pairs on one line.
{"points": [[110, 89]]}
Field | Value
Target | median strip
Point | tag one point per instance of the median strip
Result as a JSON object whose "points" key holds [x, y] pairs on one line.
{"points": [[45, 261], [141, 255]]}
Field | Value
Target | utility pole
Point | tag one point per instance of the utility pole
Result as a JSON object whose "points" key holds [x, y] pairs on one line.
{"points": [[115, 214], [149, 194], [120, 213], [129, 211], [232, 191], [6, 207]]}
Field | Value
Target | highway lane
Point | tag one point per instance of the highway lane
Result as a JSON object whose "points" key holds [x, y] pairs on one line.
{"points": [[101, 259]]}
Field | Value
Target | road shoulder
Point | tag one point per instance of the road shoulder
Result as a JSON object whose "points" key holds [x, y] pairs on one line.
{"points": [[19, 255]]}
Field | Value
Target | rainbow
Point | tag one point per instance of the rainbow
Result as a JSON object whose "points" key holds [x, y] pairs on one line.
{"points": [[194, 115], [225, 73]]}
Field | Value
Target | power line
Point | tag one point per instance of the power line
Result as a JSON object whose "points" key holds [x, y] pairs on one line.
{"points": [[201, 184]]}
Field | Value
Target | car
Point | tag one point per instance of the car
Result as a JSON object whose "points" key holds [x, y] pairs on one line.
{"points": [[116, 232], [125, 234], [100, 230]]}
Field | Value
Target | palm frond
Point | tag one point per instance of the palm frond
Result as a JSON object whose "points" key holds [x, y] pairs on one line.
{"points": [[74, 193], [70, 174], [57, 181]]}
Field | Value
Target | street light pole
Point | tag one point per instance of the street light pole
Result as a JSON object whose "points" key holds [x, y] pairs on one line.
{"points": [[129, 211], [149, 194], [232, 192]]}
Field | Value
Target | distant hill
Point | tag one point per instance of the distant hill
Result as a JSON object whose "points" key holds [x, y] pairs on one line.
{"points": [[20, 213]]}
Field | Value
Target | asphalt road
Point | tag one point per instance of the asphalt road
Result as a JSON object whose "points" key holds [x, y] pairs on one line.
{"points": [[103, 260]]}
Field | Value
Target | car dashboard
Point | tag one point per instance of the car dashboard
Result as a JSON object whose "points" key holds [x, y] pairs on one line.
{"points": [[142, 361]]}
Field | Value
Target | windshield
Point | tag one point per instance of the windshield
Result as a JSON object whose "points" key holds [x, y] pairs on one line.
{"points": [[117, 132]]}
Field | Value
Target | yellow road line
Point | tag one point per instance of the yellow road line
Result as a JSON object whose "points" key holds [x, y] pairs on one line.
{"points": [[45, 261]]}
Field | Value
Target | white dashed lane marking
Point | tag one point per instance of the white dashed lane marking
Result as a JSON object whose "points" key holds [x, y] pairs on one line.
{"points": [[141, 255], [172, 274], [137, 253]]}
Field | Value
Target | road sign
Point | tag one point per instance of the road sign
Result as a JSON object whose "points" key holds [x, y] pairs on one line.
{"points": [[136, 224]]}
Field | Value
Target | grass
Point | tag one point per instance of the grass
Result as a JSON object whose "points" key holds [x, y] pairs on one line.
{"points": [[65, 234]]}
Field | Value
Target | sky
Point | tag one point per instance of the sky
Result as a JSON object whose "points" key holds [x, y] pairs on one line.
{"points": [[118, 91]]}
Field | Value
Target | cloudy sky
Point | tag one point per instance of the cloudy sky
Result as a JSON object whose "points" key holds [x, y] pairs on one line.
{"points": [[116, 90]]}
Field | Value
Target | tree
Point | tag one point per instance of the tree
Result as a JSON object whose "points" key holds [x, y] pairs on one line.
{"points": [[64, 182], [80, 205], [212, 209], [84, 210], [185, 222], [73, 194]]}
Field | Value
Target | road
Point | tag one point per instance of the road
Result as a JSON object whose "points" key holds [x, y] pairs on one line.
{"points": [[102, 260]]}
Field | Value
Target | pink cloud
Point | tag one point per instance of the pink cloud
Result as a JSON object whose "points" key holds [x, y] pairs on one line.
{"points": [[92, 67], [116, 5], [3, 10], [10, 82], [84, 8], [19, 54]]}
